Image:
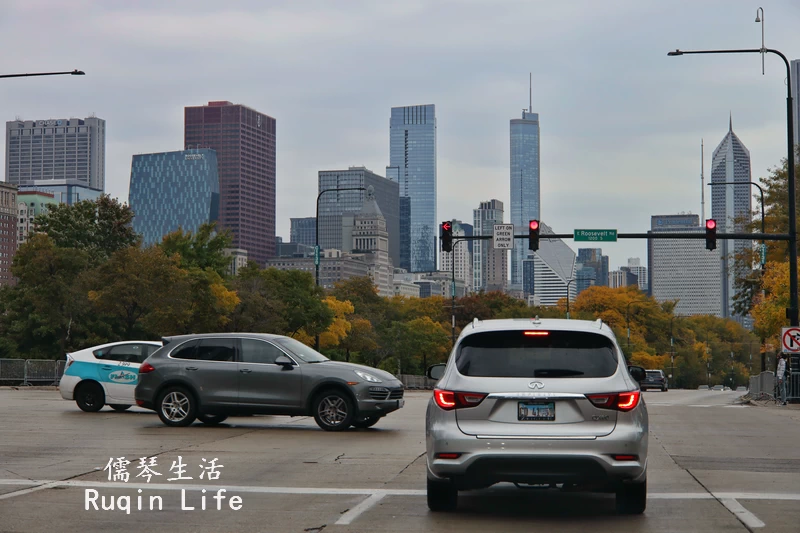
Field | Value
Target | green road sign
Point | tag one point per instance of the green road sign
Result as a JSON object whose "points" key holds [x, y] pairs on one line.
{"points": [[316, 255], [595, 235], [763, 254]]}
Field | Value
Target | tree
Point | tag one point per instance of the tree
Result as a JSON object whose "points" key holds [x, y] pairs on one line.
{"points": [[339, 328], [98, 227], [45, 311], [361, 338], [279, 301], [414, 344], [144, 290], [208, 302], [203, 249]]}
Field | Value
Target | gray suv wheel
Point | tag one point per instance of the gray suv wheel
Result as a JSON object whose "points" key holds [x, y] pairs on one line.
{"points": [[333, 410], [176, 407]]}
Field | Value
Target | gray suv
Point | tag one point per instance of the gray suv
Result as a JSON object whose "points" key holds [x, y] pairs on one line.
{"points": [[540, 403], [212, 376]]}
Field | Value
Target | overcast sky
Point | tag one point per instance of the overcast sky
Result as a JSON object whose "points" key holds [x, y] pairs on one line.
{"points": [[621, 122]]}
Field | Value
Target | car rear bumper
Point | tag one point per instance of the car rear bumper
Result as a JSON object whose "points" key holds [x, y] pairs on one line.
{"points": [[580, 461], [66, 386]]}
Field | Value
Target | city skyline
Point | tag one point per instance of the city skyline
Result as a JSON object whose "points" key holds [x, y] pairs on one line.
{"points": [[333, 95]]}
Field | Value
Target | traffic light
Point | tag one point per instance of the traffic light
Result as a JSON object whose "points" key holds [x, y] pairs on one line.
{"points": [[447, 236], [711, 234], [533, 235]]}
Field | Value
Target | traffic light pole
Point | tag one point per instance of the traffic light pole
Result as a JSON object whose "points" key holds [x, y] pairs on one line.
{"points": [[456, 242]]}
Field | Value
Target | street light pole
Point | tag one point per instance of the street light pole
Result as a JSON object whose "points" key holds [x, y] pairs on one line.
{"points": [[75, 72], [792, 310], [568, 282], [316, 242]]}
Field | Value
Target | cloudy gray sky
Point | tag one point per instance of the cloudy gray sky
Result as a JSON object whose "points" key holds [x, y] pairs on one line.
{"points": [[621, 122]]}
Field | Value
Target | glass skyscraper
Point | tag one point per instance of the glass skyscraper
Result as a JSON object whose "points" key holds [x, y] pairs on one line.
{"points": [[412, 163], [172, 190], [303, 230], [731, 207], [524, 187]]}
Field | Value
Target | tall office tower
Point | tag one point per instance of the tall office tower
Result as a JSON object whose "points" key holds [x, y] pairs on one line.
{"points": [[683, 270], [63, 156], [303, 231], [412, 163], [244, 140], [8, 230], [731, 206], [594, 258], [635, 267], [460, 254], [524, 186], [585, 277], [489, 266], [549, 271], [172, 190], [333, 205], [795, 81]]}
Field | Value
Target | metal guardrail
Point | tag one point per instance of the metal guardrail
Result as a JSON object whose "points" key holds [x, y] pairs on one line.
{"points": [[417, 382], [793, 386], [31, 371]]}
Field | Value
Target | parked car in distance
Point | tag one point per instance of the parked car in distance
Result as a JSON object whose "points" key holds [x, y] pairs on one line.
{"points": [[105, 374], [213, 376], [703, 387], [655, 379], [539, 403], [718, 388]]}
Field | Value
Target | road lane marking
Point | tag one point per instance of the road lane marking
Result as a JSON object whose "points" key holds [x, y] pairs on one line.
{"points": [[39, 484], [359, 509], [745, 517], [45, 485]]}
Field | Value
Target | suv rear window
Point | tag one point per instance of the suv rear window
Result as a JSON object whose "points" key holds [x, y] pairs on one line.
{"points": [[653, 374], [513, 354]]}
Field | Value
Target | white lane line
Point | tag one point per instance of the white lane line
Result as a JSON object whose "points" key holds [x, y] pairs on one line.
{"points": [[39, 484], [745, 517], [46, 485], [359, 509], [699, 406]]}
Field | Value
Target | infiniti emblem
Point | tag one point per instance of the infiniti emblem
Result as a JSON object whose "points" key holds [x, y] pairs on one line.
{"points": [[536, 385]]}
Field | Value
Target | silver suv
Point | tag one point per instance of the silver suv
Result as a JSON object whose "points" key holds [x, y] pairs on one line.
{"points": [[547, 403], [210, 377]]}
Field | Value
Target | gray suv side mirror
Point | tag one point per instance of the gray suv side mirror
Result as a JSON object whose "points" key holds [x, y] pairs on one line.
{"points": [[436, 372], [284, 361], [637, 373]]}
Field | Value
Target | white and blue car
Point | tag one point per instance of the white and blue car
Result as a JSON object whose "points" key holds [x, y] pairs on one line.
{"points": [[105, 374]]}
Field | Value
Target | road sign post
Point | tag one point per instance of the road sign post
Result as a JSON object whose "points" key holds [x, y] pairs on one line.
{"points": [[595, 235], [316, 255], [503, 236]]}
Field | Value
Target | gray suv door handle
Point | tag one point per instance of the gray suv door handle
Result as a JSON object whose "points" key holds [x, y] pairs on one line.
{"points": [[245, 370], [191, 368]]}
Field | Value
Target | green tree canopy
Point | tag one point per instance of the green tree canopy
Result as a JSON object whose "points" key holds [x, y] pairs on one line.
{"points": [[203, 249], [98, 227]]}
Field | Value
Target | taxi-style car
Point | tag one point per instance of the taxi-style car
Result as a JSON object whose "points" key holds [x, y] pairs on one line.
{"points": [[105, 374]]}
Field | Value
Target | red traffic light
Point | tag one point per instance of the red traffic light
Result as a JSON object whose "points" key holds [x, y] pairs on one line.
{"points": [[534, 224], [711, 223], [446, 226]]}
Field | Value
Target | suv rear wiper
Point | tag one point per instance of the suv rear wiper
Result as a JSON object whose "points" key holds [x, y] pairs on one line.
{"points": [[555, 372]]}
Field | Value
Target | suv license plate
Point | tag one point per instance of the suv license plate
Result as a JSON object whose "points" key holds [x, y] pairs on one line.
{"points": [[545, 411]]}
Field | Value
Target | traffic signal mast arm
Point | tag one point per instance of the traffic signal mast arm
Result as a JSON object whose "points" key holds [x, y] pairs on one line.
{"points": [[654, 235]]}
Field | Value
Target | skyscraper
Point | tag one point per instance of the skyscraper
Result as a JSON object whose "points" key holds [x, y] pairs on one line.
{"points": [[683, 270], [412, 163], [594, 258], [489, 265], [635, 267], [8, 230], [303, 230], [172, 190], [524, 186], [332, 206], [64, 156], [244, 141], [731, 207]]}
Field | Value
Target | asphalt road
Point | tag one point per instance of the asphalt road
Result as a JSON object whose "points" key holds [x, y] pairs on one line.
{"points": [[713, 466]]}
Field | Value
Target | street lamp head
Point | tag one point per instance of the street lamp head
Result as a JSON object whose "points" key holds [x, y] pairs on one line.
{"points": [[761, 10], [758, 19], [77, 72], [675, 53]]}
